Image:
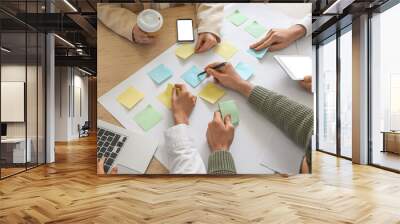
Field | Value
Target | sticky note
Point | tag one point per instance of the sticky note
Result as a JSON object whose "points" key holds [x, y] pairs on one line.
{"points": [[166, 96], [244, 70], [160, 73], [225, 50], [258, 54], [211, 93], [130, 97], [184, 51], [190, 76], [237, 18], [255, 29], [148, 118], [229, 108]]}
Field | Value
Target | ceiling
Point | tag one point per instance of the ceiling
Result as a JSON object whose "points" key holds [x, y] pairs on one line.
{"points": [[79, 27]]}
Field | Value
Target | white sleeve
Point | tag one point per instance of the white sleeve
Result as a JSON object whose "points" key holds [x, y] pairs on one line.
{"points": [[306, 22], [183, 157]]}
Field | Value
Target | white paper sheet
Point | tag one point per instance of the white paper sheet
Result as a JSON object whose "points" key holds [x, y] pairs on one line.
{"points": [[256, 139]]}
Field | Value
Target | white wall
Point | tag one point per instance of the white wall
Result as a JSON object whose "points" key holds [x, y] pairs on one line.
{"points": [[68, 82], [80, 83], [61, 103], [33, 126], [12, 73]]}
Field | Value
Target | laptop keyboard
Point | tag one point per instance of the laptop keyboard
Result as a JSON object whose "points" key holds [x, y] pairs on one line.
{"points": [[109, 145]]}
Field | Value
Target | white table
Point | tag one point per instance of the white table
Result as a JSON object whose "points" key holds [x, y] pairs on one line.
{"points": [[19, 153], [257, 141]]}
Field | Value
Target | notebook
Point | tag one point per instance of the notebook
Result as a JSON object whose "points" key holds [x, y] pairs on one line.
{"points": [[296, 67]]}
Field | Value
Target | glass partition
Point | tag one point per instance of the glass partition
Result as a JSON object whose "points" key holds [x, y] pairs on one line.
{"points": [[23, 91], [13, 94]]}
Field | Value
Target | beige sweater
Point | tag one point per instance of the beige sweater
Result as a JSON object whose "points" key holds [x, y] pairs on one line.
{"points": [[121, 17]]}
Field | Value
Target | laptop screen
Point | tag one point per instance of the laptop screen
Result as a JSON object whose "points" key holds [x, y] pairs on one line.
{"points": [[3, 129]]}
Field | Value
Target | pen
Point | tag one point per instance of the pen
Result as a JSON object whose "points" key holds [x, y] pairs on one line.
{"points": [[215, 67]]}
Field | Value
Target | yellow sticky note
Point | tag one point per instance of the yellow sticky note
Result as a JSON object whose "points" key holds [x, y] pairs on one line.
{"points": [[211, 93], [225, 50], [130, 97], [184, 51], [166, 96]]}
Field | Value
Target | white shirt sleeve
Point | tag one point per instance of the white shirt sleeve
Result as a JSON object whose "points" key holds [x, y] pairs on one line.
{"points": [[306, 22], [183, 157]]}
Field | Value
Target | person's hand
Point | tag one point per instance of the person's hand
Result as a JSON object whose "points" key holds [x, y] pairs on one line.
{"points": [[100, 168], [182, 104], [277, 39], [307, 83], [140, 36], [228, 77], [205, 42], [220, 133]]}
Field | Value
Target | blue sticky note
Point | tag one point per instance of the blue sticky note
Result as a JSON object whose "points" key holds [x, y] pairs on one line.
{"points": [[190, 76], [258, 54], [244, 70], [160, 74]]}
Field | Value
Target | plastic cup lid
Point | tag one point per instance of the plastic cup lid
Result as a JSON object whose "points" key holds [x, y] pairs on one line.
{"points": [[149, 20]]}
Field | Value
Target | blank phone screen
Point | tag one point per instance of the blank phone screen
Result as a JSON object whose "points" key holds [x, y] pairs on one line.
{"points": [[185, 30]]}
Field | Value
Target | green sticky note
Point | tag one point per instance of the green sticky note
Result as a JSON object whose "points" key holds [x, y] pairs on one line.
{"points": [[148, 118], [237, 18], [255, 29], [229, 108]]}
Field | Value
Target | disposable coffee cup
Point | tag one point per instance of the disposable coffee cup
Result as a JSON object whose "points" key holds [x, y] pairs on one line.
{"points": [[150, 21]]}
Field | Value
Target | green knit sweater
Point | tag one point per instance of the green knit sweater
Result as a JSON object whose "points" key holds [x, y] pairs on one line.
{"points": [[294, 119]]}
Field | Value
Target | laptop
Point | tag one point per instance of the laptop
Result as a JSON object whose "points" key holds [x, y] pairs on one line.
{"points": [[295, 66], [130, 151]]}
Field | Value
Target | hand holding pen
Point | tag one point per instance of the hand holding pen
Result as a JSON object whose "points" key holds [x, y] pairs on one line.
{"points": [[227, 76], [215, 67]]}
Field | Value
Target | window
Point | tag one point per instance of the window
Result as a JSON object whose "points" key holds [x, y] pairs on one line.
{"points": [[346, 92], [327, 96], [394, 102], [385, 89], [333, 137]]}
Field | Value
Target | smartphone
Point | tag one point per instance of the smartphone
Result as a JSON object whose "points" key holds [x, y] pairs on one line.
{"points": [[184, 29]]}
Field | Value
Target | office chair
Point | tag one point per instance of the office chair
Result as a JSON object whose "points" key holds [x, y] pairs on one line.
{"points": [[84, 130]]}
